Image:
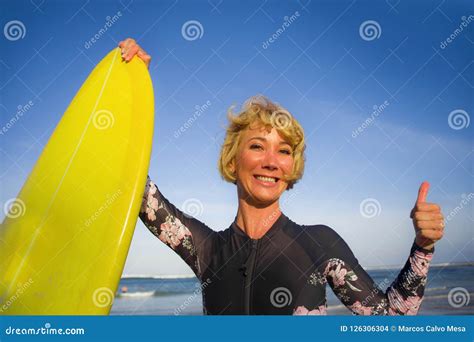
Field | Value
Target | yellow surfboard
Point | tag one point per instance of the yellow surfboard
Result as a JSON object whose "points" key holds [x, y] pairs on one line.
{"points": [[65, 238]]}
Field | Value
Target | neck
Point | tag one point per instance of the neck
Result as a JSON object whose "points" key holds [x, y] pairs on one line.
{"points": [[256, 220]]}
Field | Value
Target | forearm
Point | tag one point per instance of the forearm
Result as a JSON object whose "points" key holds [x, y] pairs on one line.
{"points": [[406, 292], [357, 290], [186, 235]]}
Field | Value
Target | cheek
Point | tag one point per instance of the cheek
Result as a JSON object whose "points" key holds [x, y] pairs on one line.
{"points": [[249, 161], [287, 165]]}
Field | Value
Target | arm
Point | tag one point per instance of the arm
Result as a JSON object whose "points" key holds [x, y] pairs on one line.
{"points": [[188, 237], [356, 289], [359, 293]]}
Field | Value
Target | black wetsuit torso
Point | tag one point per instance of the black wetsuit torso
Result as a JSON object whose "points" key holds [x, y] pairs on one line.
{"points": [[285, 272]]}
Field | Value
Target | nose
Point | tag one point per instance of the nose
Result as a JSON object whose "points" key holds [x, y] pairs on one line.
{"points": [[270, 161]]}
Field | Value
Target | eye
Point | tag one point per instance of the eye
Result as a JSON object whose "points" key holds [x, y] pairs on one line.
{"points": [[288, 152], [255, 146]]}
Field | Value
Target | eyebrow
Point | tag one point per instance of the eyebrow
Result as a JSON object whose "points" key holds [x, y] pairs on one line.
{"points": [[263, 139]]}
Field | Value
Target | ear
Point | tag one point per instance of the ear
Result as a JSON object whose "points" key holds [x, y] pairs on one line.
{"points": [[232, 166], [232, 170]]}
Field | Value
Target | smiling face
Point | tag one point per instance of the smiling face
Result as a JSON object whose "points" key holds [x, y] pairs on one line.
{"points": [[261, 161]]}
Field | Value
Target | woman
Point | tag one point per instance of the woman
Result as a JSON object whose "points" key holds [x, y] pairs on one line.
{"points": [[264, 263]]}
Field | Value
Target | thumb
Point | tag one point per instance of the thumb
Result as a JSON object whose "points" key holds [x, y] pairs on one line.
{"points": [[423, 192]]}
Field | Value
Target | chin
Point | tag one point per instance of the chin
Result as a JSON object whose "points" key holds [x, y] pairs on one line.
{"points": [[262, 196], [266, 198]]}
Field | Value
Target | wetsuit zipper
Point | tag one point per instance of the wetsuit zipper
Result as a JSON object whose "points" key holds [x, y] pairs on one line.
{"points": [[248, 273]]}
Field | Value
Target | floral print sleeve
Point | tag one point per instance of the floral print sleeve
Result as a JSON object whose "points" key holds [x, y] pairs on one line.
{"points": [[188, 237], [359, 293]]}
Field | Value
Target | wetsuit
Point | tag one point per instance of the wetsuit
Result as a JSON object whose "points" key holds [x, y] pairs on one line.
{"points": [[285, 272]]}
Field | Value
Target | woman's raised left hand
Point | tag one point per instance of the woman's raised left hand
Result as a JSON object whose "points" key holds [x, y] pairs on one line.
{"points": [[428, 220]]}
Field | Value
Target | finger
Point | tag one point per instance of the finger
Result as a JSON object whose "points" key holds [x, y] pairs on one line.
{"points": [[437, 225], [129, 42], [423, 192], [125, 42], [144, 56], [423, 206], [428, 215], [430, 234], [141, 53], [131, 52]]}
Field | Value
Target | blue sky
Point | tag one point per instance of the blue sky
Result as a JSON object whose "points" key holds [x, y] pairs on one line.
{"points": [[323, 67]]}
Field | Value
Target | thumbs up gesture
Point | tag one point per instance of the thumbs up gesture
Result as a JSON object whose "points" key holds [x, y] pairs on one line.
{"points": [[427, 219]]}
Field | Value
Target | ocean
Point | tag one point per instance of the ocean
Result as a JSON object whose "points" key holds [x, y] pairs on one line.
{"points": [[181, 295]]}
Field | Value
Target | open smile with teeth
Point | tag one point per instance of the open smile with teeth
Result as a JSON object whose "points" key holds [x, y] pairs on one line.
{"points": [[267, 179]]}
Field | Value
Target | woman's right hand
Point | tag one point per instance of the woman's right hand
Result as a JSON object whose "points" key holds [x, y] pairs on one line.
{"points": [[130, 48]]}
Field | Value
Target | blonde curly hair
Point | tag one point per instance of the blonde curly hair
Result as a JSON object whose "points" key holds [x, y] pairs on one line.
{"points": [[259, 111]]}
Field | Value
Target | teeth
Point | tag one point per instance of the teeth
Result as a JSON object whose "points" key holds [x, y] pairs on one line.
{"points": [[266, 179]]}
